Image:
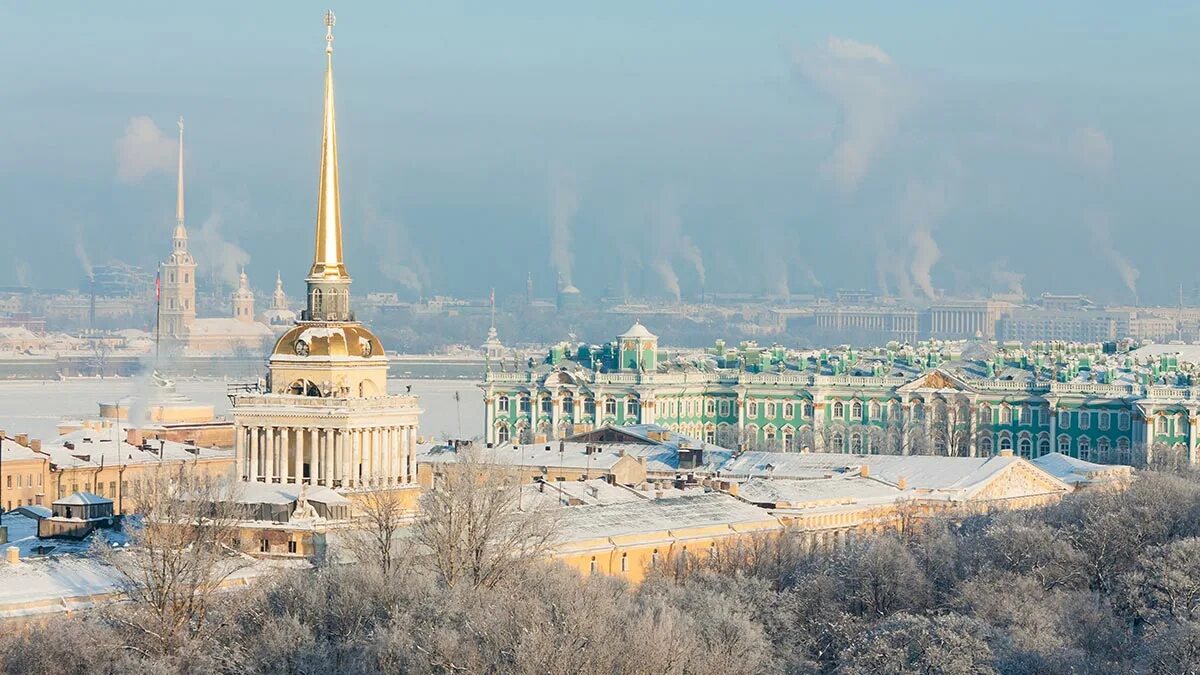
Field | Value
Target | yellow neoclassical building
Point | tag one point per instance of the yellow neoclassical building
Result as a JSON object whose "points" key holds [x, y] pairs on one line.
{"points": [[325, 416]]}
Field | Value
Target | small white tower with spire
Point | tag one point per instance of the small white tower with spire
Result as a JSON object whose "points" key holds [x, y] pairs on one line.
{"points": [[243, 300]]}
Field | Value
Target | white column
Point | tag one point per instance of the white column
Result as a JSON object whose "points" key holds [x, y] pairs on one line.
{"points": [[299, 455], [1191, 451], [254, 431], [402, 454], [269, 452], [239, 450], [355, 456], [283, 454], [389, 468], [412, 454], [327, 459], [347, 457], [314, 461]]}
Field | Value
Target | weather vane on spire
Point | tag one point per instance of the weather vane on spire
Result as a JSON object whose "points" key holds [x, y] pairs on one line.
{"points": [[330, 19]]}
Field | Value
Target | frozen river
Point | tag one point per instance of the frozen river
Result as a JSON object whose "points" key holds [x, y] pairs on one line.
{"points": [[36, 407]]}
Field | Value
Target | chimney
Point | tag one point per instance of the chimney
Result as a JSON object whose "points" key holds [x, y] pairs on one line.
{"points": [[22, 439], [133, 436], [902, 483], [1006, 452], [13, 555], [35, 444], [864, 471]]}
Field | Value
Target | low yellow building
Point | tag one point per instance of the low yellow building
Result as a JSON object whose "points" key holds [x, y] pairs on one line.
{"points": [[110, 462]]}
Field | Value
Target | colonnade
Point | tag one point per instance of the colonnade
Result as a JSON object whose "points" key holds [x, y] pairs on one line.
{"points": [[333, 457]]}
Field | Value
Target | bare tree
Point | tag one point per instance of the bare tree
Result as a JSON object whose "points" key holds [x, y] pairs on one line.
{"points": [[475, 526], [180, 551], [373, 541]]}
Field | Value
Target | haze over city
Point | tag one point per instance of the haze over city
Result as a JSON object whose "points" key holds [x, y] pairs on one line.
{"points": [[656, 149]]}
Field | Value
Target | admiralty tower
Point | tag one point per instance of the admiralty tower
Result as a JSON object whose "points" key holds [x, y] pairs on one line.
{"points": [[325, 416]]}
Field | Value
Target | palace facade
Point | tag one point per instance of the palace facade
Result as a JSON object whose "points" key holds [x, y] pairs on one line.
{"points": [[1098, 402]]}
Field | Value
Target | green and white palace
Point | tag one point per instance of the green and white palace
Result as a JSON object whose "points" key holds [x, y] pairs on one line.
{"points": [[1097, 402]]}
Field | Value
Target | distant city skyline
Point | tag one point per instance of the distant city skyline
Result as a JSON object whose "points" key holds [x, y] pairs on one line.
{"points": [[652, 150]]}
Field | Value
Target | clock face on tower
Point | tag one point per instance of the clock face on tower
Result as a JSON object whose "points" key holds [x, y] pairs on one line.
{"points": [[301, 348]]}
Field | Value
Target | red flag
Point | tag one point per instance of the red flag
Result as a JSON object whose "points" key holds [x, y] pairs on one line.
{"points": [[157, 286]]}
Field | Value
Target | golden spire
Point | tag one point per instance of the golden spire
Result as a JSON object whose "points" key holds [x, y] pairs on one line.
{"points": [[179, 188], [327, 260]]}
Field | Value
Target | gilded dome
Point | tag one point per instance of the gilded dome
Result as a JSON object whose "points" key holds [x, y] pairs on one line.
{"points": [[328, 340]]}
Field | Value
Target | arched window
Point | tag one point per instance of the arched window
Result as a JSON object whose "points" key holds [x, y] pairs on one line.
{"points": [[1064, 445], [710, 407], [502, 404], [1026, 415], [837, 442], [808, 410], [856, 443], [524, 404], [502, 435], [1005, 414], [1085, 420], [1123, 420], [1160, 425], [631, 407], [873, 410], [1025, 447], [770, 409], [856, 411], [1123, 454], [752, 409], [610, 406], [568, 405], [1085, 449], [789, 410], [1103, 450], [1043, 446], [839, 411], [985, 446], [1005, 443]]}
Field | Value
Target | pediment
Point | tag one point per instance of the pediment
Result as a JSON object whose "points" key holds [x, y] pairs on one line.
{"points": [[938, 380], [1022, 479]]}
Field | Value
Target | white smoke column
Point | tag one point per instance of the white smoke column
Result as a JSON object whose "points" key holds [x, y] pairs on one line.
{"points": [[666, 272], [1010, 280], [670, 240], [144, 149], [921, 208], [564, 202], [871, 94], [399, 261], [215, 255], [81, 255], [776, 274], [1102, 237], [925, 253], [21, 269]]}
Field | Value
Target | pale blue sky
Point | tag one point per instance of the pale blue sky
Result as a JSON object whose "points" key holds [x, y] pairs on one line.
{"points": [[456, 119]]}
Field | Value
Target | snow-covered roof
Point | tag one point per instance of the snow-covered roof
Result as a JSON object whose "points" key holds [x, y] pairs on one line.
{"points": [[919, 471], [637, 330], [82, 499], [93, 448], [818, 492], [655, 515], [1074, 471], [285, 493]]}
